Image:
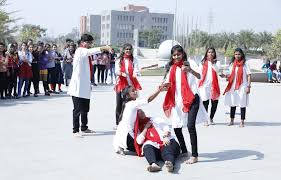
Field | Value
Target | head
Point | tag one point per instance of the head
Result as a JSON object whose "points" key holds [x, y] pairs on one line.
{"points": [[239, 54], [129, 93], [24, 46], [141, 114], [16, 46], [40, 47], [177, 54], [86, 40], [210, 54], [127, 50], [54, 47], [30, 47], [29, 41], [47, 47], [2, 47], [11, 48], [71, 48]]}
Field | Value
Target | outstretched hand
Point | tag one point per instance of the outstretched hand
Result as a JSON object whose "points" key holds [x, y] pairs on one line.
{"points": [[164, 87]]}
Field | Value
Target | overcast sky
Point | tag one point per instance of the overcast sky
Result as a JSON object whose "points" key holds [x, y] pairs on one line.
{"points": [[60, 16]]}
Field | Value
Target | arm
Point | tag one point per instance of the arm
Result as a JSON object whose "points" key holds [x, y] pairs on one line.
{"points": [[248, 89], [162, 87], [141, 136]]}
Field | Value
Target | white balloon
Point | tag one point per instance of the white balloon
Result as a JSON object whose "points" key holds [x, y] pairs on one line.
{"points": [[165, 48]]}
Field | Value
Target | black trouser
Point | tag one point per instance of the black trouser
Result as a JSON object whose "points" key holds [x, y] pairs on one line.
{"points": [[12, 81], [52, 79], [118, 110], [94, 72], [130, 143], [191, 122], [243, 112], [81, 107], [3, 84], [167, 153], [34, 79], [101, 69], [213, 107], [45, 85]]}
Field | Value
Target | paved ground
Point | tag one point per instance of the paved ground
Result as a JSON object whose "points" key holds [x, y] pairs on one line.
{"points": [[36, 140]]}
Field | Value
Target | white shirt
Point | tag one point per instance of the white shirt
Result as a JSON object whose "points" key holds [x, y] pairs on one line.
{"points": [[127, 123], [80, 84], [135, 65], [206, 89]]}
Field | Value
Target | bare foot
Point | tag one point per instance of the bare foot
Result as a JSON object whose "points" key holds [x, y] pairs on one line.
{"points": [[192, 160], [242, 124], [206, 124]]}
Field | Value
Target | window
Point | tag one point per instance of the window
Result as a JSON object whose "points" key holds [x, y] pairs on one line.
{"points": [[107, 26], [133, 27], [117, 34], [103, 18], [103, 26], [108, 17]]}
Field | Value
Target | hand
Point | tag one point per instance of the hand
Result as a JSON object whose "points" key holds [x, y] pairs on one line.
{"points": [[147, 125], [222, 75], [166, 141], [186, 68], [164, 87], [248, 90], [134, 75], [123, 74]]}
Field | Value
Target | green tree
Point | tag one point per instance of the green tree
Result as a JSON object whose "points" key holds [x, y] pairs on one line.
{"points": [[245, 39], [274, 51], [30, 31], [150, 38], [7, 27]]}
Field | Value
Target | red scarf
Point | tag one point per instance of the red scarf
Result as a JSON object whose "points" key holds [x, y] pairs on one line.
{"points": [[215, 83], [122, 82], [239, 76], [90, 62], [186, 93], [151, 135]]}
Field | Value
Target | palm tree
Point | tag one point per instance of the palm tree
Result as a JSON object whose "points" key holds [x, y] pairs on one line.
{"points": [[245, 39]]}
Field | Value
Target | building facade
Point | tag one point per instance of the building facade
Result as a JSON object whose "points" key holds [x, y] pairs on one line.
{"points": [[92, 24]]}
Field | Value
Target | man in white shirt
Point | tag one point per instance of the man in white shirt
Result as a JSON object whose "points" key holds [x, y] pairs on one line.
{"points": [[80, 84]]}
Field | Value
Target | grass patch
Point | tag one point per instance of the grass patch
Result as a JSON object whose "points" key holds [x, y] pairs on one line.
{"points": [[153, 72]]}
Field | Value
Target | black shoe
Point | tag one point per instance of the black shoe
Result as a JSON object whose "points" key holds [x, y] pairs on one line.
{"points": [[35, 95], [47, 94]]}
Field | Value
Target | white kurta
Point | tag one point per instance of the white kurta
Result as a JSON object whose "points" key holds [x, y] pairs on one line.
{"points": [[206, 89], [238, 97], [80, 84], [161, 127], [136, 68], [178, 117], [127, 123]]}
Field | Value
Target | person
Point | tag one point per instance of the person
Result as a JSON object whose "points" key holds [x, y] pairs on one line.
{"points": [[127, 70], [239, 85], [112, 65], [273, 68], [124, 137], [67, 63], [13, 63], [266, 67], [42, 54], [182, 100], [35, 71], [209, 88], [3, 72], [153, 139], [58, 70], [80, 84]]}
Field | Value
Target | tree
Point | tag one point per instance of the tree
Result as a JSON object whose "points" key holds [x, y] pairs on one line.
{"points": [[245, 39], [150, 38], [30, 31], [7, 27], [274, 51]]}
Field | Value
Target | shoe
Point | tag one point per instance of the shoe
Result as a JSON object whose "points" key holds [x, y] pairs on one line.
{"points": [[169, 165], [47, 94], [115, 127], [55, 92], [212, 122], [60, 90], [78, 135], [153, 168], [121, 151], [95, 84], [88, 131], [35, 95]]}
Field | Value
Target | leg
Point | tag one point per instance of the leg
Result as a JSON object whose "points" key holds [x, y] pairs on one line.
{"points": [[84, 121], [84, 109], [179, 135], [26, 84], [192, 128], [151, 154], [118, 109], [213, 109], [130, 143], [20, 86], [171, 151], [243, 115], [232, 115], [206, 105], [76, 114]]}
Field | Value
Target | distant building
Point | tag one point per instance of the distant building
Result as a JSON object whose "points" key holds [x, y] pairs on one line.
{"points": [[117, 26], [92, 24]]}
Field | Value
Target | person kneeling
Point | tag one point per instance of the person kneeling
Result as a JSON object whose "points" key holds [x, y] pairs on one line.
{"points": [[155, 142]]}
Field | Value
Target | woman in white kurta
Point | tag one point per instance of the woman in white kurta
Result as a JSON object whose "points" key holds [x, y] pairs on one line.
{"points": [[182, 101], [238, 88], [209, 86], [124, 137]]}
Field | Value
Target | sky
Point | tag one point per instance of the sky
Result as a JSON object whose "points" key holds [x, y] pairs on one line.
{"points": [[61, 16]]}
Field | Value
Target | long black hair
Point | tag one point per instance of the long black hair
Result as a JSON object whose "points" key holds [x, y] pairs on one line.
{"points": [[206, 54], [171, 61], [121, 57], [126, 98], [242, 55]]}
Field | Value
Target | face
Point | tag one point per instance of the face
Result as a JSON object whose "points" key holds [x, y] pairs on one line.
{"points": [[141, 114], [237, 55], [1, 48], [23, 46], [12, 49], [71, 48], [177, 56], [30, 48], [87, 44], [39, 48], [133, 93], [54, 48], [210, 54], [128, 50], [48, 48]]}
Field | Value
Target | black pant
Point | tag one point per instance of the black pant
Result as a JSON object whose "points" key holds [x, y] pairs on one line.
{"points": [[12, 81], [191, 122], [213, 108], [81, 107], [35, 78], [167, 153], [242, 109], [130, 143], [118, 110], [94, 72], [3, 84], [101, 69]]}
